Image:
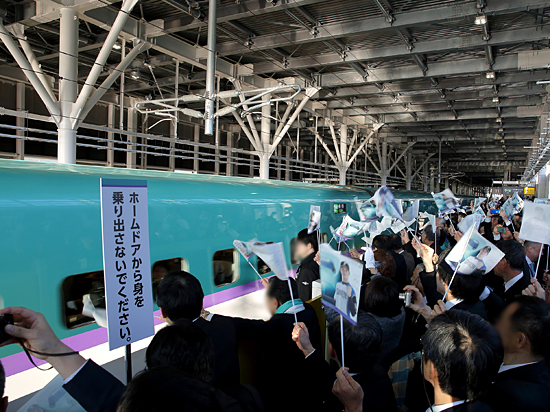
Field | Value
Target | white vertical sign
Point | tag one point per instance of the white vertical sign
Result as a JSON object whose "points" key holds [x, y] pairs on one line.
{"points": [[126, 261]]}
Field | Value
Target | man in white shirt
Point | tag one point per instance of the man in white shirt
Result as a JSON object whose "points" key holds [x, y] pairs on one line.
{"points": [[460, 358], [510, 269], [523, 382]]}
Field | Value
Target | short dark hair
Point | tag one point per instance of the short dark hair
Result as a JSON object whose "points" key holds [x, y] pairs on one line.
{"points": [[362, 343], [514, 253], [429, 232], [159, 389], [382, 297], [465, 287], [532, 318], [381, 242], [184, 346], [466, 352], [395, 242], [307, 238], [278, 289], [180, 296], [2, 380]]}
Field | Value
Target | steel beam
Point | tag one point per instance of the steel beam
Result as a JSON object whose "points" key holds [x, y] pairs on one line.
{"points": [[365, 26]]}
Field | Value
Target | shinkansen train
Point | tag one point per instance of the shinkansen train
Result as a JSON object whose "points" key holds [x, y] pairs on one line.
{"points": [[51, 245]]}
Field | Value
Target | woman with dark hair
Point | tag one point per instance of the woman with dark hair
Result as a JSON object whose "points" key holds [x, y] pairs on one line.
{"points": [[385, 264], [381, 301]]}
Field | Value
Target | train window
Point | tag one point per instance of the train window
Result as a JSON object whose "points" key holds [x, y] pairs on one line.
{"points": [[75, 287], [162, 267], [73, 290], [226, 267], [262, 266]]}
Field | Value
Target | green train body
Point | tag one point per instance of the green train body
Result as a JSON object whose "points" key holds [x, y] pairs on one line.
{"points": [[51, 228]]}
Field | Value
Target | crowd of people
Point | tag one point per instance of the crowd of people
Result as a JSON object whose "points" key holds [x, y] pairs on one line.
{"points": [[477, 342]]}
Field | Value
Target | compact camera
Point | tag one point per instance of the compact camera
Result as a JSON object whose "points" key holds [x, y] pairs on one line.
{"points": [[6, 319], [406, 298]]}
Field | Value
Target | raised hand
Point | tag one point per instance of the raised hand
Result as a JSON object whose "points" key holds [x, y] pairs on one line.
{"points": [[300, 335], [348, 391]]}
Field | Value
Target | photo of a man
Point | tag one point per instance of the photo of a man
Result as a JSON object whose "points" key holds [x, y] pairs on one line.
{"points": [[346, 300], [340, 282], [474, 264], [477, 257]]}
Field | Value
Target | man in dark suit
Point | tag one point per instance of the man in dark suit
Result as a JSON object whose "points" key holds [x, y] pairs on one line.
{"points": [[278, 356], [362, 346], [308, 271], [532, 251], [460, 358], [510, 269], [180, 296], [397, 247], [385, 242], [464, 291], [523, 382]]}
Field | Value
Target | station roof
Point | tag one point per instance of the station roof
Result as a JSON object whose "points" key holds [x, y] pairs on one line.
{"points": [[463, 74]]}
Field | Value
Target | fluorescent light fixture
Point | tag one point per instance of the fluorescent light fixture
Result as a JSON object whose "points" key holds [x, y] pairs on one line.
{"points": [[490, 74], [117, 46], [481, 19], [499, 119], [496, 99], [543, 82], [135, 74]]}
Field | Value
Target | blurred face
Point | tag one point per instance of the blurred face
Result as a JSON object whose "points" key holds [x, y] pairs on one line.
{"points": [[302, 250], [345, 274], [532, 252], [504, 327], [272, 304], [441, 287], [500, 268], [507, 235]]}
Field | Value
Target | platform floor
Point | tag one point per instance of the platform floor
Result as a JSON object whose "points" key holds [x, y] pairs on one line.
{"points": [[22, 386]]}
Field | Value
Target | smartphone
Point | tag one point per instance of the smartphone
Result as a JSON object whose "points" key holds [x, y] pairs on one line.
{"points": [[495, 211], [501, 229]]}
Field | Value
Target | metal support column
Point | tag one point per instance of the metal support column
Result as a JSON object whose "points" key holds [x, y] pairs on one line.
{"points": [[384, 162], [408, 170], [68, 86], [265, 138], [131, 157], [110, 135], [196, 138], [210, 68], [342, 168], [228, 165], [174, 122], [20, 121], [426, 176]]}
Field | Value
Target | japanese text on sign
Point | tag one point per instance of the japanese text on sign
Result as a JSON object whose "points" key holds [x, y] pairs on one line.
{"points": [[126, 261]]}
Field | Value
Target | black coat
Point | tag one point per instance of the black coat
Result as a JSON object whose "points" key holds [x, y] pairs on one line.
{"points": [[279, 357], [400, 269], [477, 308], [517, 287], [522, 389], [226, 372], [376, 385], [476, 406], [307, 273], [96, 390]]}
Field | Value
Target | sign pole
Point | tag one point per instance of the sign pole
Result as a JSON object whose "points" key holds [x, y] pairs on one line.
{"points": [[538, 261], [128, 361], [342, 338]]}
